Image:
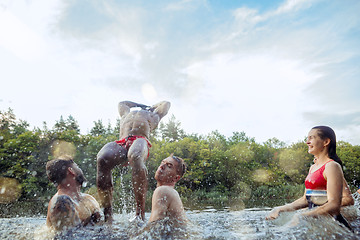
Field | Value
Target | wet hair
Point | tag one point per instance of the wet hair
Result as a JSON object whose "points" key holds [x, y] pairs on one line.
{"points": [[181, 168], [56, 169], [327, 132]]}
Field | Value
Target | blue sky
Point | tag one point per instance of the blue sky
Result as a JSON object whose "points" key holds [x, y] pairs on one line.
{"points": [[268, 68]]}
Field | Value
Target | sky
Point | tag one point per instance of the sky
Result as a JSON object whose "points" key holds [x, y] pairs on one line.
{"points": [[271, 69]]}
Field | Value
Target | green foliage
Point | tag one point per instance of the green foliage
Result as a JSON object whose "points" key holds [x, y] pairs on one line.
{"points": [[350, 156], [219, 169], [294, 163], [285, 191], [171, 131]]}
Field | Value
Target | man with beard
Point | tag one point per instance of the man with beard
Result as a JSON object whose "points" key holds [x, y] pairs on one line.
{"points": [[69, 207], [166, 201], [131, 149]]}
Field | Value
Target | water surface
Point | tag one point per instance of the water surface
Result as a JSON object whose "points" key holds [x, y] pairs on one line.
{"points": [[207, 223]]}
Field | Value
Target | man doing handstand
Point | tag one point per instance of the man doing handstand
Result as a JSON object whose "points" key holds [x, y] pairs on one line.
{"points": [[132, 148]]}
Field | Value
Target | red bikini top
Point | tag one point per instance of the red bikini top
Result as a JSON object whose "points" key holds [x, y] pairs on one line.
{"points": [[316, 180]]}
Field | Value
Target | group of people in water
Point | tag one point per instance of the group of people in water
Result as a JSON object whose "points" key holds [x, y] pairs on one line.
{"points": [[69, 207], [326, 189]]}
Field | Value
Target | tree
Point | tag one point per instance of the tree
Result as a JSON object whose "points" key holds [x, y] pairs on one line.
{"points": [[171, 131], [20, 162], [9, 126], [60, 125], [350, 156], [72, 124], [98, 129], [69, 125], [240, 137], [274, 143], [295, 162]]}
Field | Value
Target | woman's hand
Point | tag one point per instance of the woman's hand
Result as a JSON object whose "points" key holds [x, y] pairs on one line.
{"points": [[273, 214]]}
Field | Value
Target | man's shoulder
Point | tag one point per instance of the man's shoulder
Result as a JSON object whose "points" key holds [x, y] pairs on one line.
{"points": [[61, 198], [61, 202], [90, 199], [165, 188], [87, 196], [166, 191]]}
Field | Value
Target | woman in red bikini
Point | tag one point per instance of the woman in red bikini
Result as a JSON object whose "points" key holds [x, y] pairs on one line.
{"points": [[325, 186]]}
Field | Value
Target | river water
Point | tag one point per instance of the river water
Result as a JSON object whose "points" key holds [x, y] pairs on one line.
{"points": [[205, 223]]}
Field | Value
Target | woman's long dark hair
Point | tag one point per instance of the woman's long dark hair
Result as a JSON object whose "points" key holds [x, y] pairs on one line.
{"points": [[326, 132]]}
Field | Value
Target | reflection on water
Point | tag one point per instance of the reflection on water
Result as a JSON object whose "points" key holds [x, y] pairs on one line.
{"points": [[204, 224]]}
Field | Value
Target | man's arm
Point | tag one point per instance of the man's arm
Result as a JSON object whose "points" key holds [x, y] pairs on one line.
{"points": [[161, 108], [94, 207], [63, 213], [125, 106]]}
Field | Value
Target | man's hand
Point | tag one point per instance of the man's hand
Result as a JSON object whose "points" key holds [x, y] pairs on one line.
{"points": [[147, 108], [143, 107]]}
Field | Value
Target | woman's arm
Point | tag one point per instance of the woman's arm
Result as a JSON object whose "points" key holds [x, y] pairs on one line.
{"points": [[347, 198], [297, 204]]}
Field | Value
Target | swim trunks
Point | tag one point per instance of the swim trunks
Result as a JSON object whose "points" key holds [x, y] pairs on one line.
{"points": [[128, 141]]}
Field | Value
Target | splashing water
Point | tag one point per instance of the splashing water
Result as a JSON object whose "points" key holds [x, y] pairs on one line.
{"points": [[207, 223]]}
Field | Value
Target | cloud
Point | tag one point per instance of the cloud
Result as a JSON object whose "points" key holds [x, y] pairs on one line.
{"points": [[18, 38], [264, 71], [184, 5], [292, 6], [345, 123], [336, 119]]}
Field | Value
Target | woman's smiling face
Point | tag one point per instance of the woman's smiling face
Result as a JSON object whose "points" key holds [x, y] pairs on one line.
{"points": [[314, 142]]}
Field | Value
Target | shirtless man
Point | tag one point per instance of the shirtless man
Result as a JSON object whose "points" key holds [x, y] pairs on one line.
{"points": [[166, 201], [69, 207], [132, 148]]}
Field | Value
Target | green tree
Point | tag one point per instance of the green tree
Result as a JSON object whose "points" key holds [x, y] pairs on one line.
{"points": [[350, 156], [98, 129], [239, 137], [171, 131], [295, 162], [21, 163]]}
